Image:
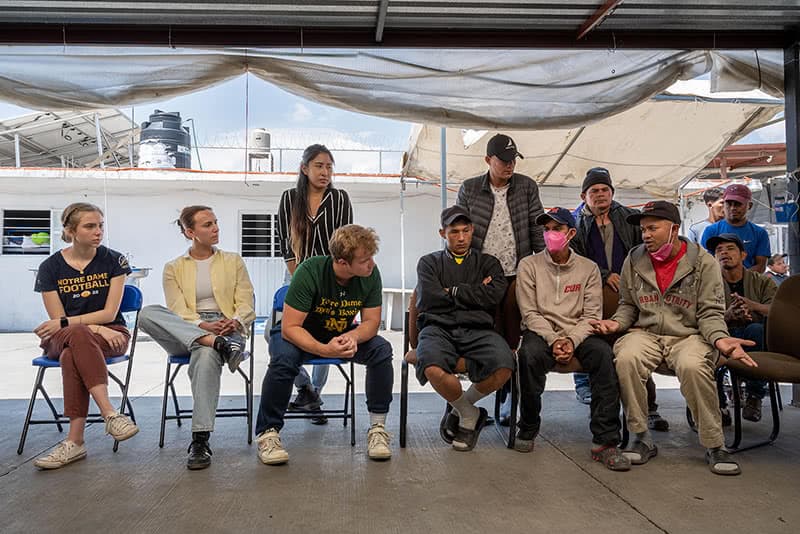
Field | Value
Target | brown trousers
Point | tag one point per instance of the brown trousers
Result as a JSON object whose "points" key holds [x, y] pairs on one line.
{"points": [[83, 366]]}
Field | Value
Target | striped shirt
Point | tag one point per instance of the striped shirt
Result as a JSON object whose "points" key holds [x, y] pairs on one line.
{"points": [[334, 212]]}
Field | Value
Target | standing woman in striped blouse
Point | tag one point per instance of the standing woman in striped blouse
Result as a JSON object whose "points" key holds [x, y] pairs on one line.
{"points": [[307, 217]]}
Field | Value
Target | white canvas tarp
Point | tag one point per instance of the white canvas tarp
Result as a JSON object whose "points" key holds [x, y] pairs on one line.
{"points": [[655, 146], [534, 89]]}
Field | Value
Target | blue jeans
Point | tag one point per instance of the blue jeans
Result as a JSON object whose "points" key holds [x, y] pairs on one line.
{"points": [[284, 365], [753, 332]]}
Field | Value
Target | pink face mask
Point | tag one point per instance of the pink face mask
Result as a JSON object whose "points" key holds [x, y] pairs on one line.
{"points": [[555, 241], [663, 252]]}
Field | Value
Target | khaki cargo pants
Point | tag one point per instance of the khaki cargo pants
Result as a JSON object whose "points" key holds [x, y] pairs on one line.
{"points": [[638, 353]]}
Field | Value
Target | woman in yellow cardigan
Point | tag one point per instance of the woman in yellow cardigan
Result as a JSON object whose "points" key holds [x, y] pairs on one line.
{"points": [[209, 308]]}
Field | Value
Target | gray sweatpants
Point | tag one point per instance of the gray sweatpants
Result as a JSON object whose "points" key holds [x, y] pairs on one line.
{"points": [[177, 336]]}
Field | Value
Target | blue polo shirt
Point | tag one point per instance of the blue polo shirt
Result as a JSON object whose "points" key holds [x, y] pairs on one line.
{"points": [[755, 239]]}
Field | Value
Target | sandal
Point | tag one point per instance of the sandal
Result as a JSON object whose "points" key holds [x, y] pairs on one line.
{"points": [[611, 457], [639, 453], [721, 462], [465, 438], [448, 427]]}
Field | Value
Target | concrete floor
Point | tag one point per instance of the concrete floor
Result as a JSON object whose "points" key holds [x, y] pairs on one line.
{"points": [[330, 487]]}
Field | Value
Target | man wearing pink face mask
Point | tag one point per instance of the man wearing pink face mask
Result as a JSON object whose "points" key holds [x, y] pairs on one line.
{"points": [[673, 301], [559, 293]]}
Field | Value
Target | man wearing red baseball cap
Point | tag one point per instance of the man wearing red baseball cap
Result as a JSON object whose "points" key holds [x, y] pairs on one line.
{"points": [[738, 201]]}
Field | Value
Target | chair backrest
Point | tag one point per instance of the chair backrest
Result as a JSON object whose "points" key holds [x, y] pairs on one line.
{"points": [[783, 334], [277, 303], [131, 299]]}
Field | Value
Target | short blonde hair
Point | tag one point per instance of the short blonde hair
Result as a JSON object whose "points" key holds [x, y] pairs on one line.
{"points": [[346, 241]]}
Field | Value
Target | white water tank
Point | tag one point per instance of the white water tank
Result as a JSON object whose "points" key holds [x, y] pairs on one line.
{"points": [[259, 141]]}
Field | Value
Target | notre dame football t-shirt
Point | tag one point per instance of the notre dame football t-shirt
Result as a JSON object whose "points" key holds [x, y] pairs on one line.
{"points": [[331, 307], [83, 291]]}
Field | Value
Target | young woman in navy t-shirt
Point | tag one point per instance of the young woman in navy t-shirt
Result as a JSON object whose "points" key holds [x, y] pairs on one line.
{"points": [[82, 287]]}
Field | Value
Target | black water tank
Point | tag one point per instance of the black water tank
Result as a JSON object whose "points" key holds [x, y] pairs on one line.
{"points": [[164, 143]]}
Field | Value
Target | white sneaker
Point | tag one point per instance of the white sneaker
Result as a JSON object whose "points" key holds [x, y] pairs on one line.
{"points": [[270, 450], [65, 453], [120, 427], [378, 443]]}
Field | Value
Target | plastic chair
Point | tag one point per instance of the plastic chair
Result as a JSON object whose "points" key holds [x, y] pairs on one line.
{"points": [[410, 337], [348, 410], [131, 303], [181, 360], [779, 363]]}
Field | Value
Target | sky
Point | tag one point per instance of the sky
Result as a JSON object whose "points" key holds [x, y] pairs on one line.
{"points": [[221, 114]]}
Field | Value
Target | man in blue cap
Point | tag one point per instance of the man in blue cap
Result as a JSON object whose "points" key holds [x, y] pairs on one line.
{"points": [[559, 294]]}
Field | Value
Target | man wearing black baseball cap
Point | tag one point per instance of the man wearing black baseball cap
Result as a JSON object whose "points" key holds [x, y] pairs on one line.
{"points": [[672, 311], [559, 293], [458, 290], [748, 297]]}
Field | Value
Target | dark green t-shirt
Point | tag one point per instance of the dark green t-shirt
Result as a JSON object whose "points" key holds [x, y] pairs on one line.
{"points": [[331, 307]]}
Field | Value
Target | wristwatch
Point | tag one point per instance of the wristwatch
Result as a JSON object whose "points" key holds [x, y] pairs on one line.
{"points": [[64, 322]]}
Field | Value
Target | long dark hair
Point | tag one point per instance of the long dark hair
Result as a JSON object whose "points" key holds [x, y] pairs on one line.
{"points": [[298, 225]]}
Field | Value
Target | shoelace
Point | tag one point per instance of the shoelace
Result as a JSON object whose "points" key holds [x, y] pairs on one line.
{"points": [[271, 442], [378, 436], [61, 452], [116, 423]]}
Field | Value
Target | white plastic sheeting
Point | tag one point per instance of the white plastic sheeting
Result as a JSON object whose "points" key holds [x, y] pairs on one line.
{"points": [[656, 146], [461, 88]]}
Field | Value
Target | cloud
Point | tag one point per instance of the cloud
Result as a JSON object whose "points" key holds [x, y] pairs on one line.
{"points": [[774, 133], [301, 113]]}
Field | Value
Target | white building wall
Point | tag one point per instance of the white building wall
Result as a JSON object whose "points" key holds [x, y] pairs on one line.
{"points": [[141, 208]]}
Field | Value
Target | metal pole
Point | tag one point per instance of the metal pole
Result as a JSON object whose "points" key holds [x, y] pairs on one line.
{"points": [[99, 138], [444, 167], [402, 251], [16, 151], [791, 89]]}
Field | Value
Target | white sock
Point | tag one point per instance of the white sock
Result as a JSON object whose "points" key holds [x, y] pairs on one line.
{"points": [[473, 395], [377, 419], [467, 412]]}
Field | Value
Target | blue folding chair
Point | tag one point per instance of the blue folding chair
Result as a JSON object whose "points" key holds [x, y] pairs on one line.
{"points": [[180, 360], [348, 410], [131, 302]]}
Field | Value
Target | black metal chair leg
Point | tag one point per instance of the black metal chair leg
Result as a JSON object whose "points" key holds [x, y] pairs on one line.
{"points": [[626, 435], [27, 423], [403, 402], [512, 417], [164, 407], [737, 412], [56, 415], [352, 406], [775, 402], [175, 395]]}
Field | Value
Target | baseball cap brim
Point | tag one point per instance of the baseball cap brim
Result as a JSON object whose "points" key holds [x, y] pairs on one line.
{"points": [[713, 242], [509, 155]]}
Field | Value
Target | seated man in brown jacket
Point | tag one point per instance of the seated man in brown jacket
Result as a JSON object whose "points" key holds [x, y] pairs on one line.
{"points": [[559, 292]]}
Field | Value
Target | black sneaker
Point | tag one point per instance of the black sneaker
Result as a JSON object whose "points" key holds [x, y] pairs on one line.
{"points": [[199, 451], [657, 423], [231, 351], [307, 400], [752, 409]]}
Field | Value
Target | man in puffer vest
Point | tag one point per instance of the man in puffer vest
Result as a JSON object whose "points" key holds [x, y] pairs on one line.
{"points": [[672, 300], [559, 293]]}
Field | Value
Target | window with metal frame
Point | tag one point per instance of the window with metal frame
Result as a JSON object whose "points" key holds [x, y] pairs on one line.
{"points": [[26, 232], [258, 235]]}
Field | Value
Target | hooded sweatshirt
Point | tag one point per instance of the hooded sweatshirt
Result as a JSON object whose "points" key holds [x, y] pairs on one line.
{"points": [[558, 301], [694, 303]]}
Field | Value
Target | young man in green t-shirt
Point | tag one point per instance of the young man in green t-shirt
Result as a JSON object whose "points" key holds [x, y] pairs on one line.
{"points": [[324, 297]]}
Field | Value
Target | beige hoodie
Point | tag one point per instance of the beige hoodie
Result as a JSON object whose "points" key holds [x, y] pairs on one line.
{"points": [[559, 300]]}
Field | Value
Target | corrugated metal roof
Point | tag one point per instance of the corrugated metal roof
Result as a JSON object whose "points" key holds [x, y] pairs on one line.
{"points": [[347, 17]]}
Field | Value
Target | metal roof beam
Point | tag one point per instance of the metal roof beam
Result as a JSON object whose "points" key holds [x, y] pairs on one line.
{"points": [[598, 17], [363, 38], [379, 26]]}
